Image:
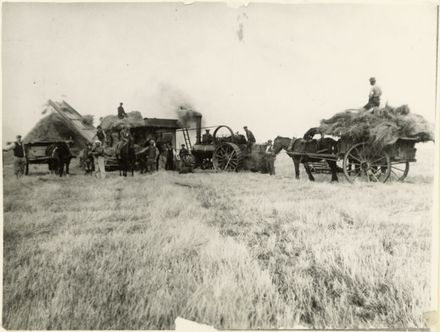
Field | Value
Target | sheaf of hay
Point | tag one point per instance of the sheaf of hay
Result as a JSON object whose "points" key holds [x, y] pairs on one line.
{"points": [[381, 126]]}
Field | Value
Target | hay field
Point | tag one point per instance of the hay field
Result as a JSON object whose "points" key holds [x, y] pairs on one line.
{"points": [[230, 250]]}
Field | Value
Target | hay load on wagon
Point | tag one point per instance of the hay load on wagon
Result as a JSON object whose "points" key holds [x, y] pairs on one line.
{"points": [[380, 127]]}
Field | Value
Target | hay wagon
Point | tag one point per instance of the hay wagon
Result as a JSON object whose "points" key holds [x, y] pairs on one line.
{"points": [[364, 161], [36, 153]]}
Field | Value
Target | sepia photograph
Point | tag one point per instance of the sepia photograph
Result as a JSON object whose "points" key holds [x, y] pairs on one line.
{"points": [[238, 166]]}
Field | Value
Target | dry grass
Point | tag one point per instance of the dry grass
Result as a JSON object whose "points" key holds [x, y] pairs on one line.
{"points": [[230, 250]]}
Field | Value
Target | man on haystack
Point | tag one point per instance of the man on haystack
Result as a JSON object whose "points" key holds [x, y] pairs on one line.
{"points": [[19, 156], [121, 112], [374, 96]]}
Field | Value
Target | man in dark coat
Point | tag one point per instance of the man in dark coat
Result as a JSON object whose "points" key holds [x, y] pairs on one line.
{"points": [[19, 156], [169, 166], [207, 137]]}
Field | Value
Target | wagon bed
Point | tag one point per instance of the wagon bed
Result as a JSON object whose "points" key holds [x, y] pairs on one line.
{"points": [[363, 160]]}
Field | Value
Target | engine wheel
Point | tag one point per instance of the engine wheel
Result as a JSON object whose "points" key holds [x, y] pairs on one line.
{"points": [[227, 157]]}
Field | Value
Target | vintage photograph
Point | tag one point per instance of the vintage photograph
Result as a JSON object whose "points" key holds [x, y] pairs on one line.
{"points": [[259, 166]]}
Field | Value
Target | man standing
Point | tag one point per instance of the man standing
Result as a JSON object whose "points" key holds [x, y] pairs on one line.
{"points": [[121, 112], [250, 138], [98, 153], [207, 137], [170, 158], [270, 158], [374, 96], [19, 156], [152, 154]]}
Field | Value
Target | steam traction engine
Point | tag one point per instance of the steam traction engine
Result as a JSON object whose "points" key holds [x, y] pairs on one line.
{"points": [[226, 151]]}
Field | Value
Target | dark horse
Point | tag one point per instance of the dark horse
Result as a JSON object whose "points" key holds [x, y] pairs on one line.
{"points": [[60, 156], [299, 145], [126, 157]]}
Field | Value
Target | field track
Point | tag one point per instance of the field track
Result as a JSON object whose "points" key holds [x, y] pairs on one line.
{"points": [[236, 250]]}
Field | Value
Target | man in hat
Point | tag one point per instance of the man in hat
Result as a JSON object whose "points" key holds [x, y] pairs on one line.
{"points": [[374, 95], [183, 152], [121, 112], [270, 158], [207, 137], [152, 154], [124, 136], [250, 138], [98, 154], [100, 134], [19, 156]]}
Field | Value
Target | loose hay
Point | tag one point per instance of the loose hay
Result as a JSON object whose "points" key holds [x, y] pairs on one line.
{"points": [[134, 119], [382, 126]]}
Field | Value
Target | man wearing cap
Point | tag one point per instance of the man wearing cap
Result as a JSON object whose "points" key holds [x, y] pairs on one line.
{"points": [[19, 156], [98, 153], [121, 112], [250, 138], [183, 152], [207, 137], [270, 158], [374, 96]]}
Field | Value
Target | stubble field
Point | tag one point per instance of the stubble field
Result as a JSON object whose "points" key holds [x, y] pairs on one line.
{"points": [[238, 250]]}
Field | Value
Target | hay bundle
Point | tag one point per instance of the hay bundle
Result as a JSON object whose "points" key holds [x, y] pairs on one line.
{"points": [[379, 126], [51, 128], [112, 122]]}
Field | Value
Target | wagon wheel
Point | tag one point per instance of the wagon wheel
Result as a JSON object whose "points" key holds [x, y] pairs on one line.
{"points": [[363, 162], [227, 157], [399, 170]]}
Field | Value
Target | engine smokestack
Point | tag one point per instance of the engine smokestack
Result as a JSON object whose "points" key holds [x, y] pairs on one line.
{"points": [[198, 121]]}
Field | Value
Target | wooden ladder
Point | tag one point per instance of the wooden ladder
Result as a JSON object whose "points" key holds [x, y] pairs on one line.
{"points": [[187, 139]]}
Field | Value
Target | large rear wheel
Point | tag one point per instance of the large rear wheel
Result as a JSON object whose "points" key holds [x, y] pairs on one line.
{"points": [[227, 157], [366, 163]]}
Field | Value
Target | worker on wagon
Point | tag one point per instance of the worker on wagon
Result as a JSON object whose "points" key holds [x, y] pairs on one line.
{"points": [[312, 132], [125, 136], [207, 137], [374, 95], [270, 158], [98, 154], [19, 156], [100, 135], [121, 111]]}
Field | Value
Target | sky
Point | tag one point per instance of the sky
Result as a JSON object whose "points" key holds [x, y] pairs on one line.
{"points": [[277, 68]]}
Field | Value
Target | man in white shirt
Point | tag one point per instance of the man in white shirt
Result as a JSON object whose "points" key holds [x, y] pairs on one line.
{"points": [[270, 158], [374, 96]]}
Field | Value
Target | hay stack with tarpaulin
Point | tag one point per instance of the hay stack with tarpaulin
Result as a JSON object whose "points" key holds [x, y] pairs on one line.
{"points": [[379, 127]]}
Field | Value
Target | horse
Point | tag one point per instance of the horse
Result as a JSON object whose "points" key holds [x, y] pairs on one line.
{"points": [[126, 158], [59, 156], [324, 145]]}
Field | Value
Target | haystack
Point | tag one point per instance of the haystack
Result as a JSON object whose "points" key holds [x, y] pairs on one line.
{"points": [[112, 122], [380, 127], [53, 127]]}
